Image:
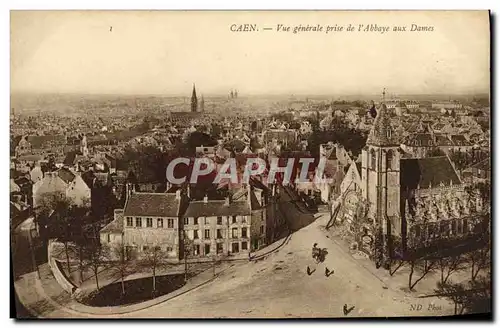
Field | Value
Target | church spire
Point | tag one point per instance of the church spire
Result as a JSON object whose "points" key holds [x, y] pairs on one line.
{"points": [[382, 132], [194, 100], [202, 104]]}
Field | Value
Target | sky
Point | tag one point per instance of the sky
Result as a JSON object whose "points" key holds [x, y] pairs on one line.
{"points": [[164, 53]]}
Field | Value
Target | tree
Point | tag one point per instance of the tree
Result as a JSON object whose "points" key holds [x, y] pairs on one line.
{"points": [[454, 292], [479, 259], [425, 266], [449, 265], [471, 297], [123, 265], [95, 258], [153, 259]]}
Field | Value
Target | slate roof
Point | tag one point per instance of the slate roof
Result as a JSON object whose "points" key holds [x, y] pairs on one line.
{"points": [[114, 226], [459, 140], [425, 172], [419, 140], [442, 140], [66, 175], [217, 208], [152, 204], [70, 158]]}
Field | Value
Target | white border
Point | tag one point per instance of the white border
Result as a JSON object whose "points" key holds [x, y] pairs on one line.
{"points": [[7, 5]]}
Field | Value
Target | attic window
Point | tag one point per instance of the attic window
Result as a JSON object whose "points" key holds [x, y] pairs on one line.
{"points": [[389, 133]]}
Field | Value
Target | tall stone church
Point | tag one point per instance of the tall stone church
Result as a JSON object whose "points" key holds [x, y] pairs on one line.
{"points": [[411, 203]]}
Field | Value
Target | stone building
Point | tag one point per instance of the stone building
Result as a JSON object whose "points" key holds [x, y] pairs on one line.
{"points": [[233, 226], [152, 220], [410, 202]]}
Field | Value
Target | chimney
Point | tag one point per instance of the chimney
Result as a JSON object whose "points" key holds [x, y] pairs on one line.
{"points": [[129, 189], [178, 194], [205, 199], [226, 201]]}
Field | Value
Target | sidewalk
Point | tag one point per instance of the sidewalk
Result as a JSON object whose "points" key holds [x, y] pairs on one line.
{"points": [[399, 280], [45, 298]]}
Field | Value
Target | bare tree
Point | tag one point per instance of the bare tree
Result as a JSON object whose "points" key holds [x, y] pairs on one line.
{"points": [[153, 259], [95, 258], [449, 265], [479, 259], [425, 267], [122, 264], [454, 292]]}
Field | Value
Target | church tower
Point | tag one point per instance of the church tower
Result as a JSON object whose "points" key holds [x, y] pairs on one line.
{"points": [[381, 174], [202, 104], [194, 101]]}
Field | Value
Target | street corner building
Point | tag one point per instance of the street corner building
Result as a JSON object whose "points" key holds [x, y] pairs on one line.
{"points": [[183, 227]]}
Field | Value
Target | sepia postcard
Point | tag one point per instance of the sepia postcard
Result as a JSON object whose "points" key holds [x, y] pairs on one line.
{"points": [[250, 164]]}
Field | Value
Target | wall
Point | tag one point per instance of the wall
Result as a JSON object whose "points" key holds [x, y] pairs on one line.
{"points": [[163, 237]]}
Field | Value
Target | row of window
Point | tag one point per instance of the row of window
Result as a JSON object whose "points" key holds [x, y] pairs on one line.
{"points": [[219, 248], [234, 233], [145, 248], [233, 219], [149, 222], [443, 228], [373, 159]]}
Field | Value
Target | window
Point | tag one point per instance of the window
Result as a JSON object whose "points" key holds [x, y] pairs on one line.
{"points": [[145, 248], [219, 233], [444, 228], [417, 231], [207, 249], [244, 233], [207, 234], [206, 220], [373, 159], [454, 227], [234, 233], [186, 221], [130, 222], [389, 133], [389, 158], [159, 223], [195, 221], [234, 218], [220, 248], [196, 236], [196, 249], [219, 220], [243, 219], [109, 237], [170, 223], [169, 249], [138, 222], [244, 246], [465, 226], [430, 230], [459, 227], [261, 229], [157, 248], [149, 222], [235, 248]]}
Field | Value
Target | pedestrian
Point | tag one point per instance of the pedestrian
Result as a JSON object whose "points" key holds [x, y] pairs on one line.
{"points": [[309, 272], [345, 309], [328, 273]]}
